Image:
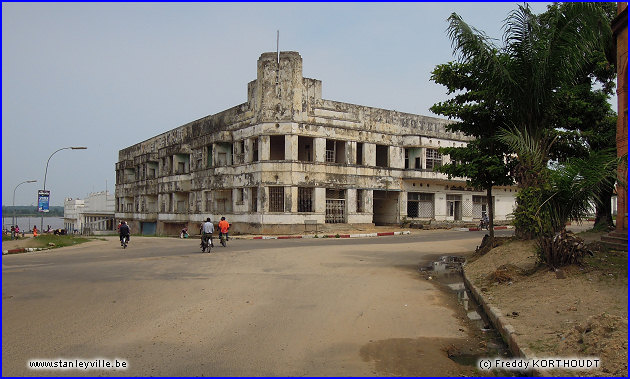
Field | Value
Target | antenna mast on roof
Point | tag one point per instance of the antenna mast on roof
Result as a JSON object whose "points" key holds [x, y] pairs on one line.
{"points": [[278, 57]]}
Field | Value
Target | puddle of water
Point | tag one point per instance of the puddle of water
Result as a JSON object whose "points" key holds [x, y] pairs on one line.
{"points": [[447, 271]]}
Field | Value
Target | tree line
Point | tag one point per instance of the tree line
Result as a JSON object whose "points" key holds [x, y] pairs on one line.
{"points": [[31, 210]]}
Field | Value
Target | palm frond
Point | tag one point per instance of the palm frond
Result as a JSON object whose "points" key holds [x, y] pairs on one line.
{"points": [[474, 46]]}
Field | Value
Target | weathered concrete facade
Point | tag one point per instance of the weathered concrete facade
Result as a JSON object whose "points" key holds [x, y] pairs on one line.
{"points": [[287, 156]]}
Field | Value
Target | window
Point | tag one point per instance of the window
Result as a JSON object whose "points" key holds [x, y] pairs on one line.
{"points": [[330, 151], [276, 148], [305, 149], [360, 196], [335, 206], [335, 151], [253, 200], [255, 149], [276, 199], [434, 159], [223, 201], [382, 156], [420, 205], [305, 199], [239, 195], [360, 153], [239, 152], [406, 158], [224, 154]]}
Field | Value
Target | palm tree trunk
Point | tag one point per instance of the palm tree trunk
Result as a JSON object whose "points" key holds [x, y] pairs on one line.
{"points": [[490, 211], [603, 210]]}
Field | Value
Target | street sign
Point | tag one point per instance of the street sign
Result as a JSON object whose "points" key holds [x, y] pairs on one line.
{"points": [[43, 198]]}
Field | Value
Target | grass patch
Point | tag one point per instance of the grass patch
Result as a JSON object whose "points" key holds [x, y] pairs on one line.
{"points": [[608, 264], [59, 241]]}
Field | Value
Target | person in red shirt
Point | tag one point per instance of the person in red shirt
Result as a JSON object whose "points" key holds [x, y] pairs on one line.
{"points": [[223, 228]]}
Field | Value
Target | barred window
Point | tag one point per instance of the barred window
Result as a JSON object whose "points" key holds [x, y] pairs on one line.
{"points": [[420, 205], [305, 199], [276, 199], [434, 159]]}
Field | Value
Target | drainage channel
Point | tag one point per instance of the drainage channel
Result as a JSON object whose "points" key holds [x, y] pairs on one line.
{"points": [[447, 273]]}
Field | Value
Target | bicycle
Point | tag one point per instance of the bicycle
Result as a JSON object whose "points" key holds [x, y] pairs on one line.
{"points": [[124, 242], [205, 245]]}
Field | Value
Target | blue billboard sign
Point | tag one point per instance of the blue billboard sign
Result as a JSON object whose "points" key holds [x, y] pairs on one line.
{"points": [[43, 198]]}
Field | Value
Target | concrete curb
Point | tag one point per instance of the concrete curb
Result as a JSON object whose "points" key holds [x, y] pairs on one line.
{"points": [[501, 324], [23, 250], [361, 235], [477, 229]]}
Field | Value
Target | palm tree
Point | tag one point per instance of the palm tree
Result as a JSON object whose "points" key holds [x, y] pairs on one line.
{"points": [[540, 55]]}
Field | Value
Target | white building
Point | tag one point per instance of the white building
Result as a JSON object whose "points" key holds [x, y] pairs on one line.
{"points": [[287, 157], [93, 215]]}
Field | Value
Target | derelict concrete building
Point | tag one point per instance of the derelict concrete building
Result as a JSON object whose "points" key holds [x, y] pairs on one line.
{"points": [[287, 157]]}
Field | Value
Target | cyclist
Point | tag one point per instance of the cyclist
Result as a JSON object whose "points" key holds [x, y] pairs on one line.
{"points": [[223, 228], [206, 231], [124, 232]]}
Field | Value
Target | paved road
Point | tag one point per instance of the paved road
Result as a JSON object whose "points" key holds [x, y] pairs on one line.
{"points": [[349, 307]]}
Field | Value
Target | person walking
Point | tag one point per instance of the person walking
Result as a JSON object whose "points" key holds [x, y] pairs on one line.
{"points": [[34, 230]]}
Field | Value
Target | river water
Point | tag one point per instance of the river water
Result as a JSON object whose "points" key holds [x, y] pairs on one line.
{"points": [[26, 223]]}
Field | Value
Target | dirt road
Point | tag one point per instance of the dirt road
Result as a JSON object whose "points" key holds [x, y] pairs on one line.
{"points": [[261, 308]]}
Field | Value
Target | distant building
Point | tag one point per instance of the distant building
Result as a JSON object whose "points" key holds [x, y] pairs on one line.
{"points": [[287, 158], [93, 215]]}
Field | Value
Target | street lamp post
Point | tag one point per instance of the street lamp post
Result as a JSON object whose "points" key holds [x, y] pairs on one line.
{"points": [[26, 181], [46, 172]]}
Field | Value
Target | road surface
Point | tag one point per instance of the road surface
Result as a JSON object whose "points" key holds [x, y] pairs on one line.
{"points": [[317, 307]]}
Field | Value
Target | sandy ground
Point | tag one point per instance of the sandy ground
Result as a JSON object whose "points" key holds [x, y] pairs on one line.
{"points": [[580, 312]]}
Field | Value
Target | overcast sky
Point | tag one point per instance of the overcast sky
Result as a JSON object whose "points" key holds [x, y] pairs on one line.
{"points": [[110, 75]]}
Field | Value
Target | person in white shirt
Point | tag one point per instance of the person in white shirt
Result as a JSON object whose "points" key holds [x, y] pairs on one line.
{"points": [[206, 231]]}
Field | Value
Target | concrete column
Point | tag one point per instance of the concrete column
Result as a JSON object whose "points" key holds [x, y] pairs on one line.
{"points": [[402, 201], [248, 153], [423, 158], [368, 201], [291, 147], [351, 201], [320, 200], [263, 148], [440, 206], [351, 152], [263, 199], [320, 149], [291, 196], [369, 154], [396, 157]]}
